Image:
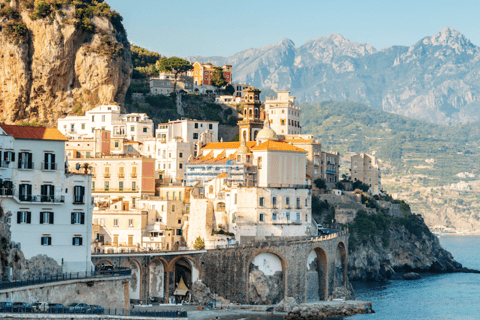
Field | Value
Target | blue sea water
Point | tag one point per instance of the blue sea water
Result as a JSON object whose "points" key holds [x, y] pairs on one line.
{"points": [[445, 296]]}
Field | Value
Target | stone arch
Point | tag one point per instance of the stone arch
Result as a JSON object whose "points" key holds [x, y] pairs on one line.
{"points": [[245, 135], [255, 132], [184, 267], [316, 277], [135, 285], [267, 269], [104, 260], [156, 277], [340, 279], [210, 189]]}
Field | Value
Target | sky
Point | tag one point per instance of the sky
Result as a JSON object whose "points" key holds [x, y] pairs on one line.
{"points": [[223, 28]]}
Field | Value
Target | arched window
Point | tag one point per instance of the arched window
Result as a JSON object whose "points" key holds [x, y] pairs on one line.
{"points": [[250, 113], [210, 189], [255, 135], [221, 206], [245, 135], [256, 113], [259, 162]]}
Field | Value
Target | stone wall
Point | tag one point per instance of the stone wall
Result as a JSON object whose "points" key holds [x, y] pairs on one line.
{"points": [[109, 292]]}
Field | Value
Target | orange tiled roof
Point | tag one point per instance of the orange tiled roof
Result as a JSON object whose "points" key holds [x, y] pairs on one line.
{"points": [[210, 159], [277, 146], [34, 133], [222, 175], [298, 140], [228, 145]]}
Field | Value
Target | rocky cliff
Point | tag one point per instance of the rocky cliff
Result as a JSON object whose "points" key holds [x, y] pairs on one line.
{"points": [[59, 58], [436, 79]]}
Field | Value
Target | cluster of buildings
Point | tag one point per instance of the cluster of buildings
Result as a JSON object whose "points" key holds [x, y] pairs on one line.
{"points": [[112, 182]]}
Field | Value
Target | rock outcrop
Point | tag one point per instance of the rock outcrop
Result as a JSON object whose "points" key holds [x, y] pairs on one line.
{"points": [[286, 305], [201, 294], [60, 59], [333, 309], [265, 289]]}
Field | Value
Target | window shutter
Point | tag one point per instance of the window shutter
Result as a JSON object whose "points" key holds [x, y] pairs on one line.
{"points": [[80, 241], [82, 218], [45, 162], [5, 156], [13, 156], [29, 217], [52, 191], [73, 241], [43, 190], [20, 160], [49, 241], [41, 217], [19, 214], [29, 189], [73, 217], [52, 161], [41, 241], [29, 157], [51, 217]]}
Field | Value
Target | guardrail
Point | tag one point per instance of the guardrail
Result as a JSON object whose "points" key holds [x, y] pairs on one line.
{"points": [[94, 310], [66, 276]]}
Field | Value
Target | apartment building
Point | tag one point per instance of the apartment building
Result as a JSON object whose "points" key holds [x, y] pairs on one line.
{"points": [[203, 73], [165, 83], [367, 168], [284, 116], [133, 126], [51, 209]]}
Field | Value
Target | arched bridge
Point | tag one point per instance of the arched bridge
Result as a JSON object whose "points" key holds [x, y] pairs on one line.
{"points": [[307, 269]]}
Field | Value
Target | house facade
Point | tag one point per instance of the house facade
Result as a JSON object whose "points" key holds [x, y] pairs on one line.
{"points": [[284, 116], [203, 73], [367, 168]]}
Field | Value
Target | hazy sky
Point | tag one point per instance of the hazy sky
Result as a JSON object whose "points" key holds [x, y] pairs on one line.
{"points": [[224, 27]]}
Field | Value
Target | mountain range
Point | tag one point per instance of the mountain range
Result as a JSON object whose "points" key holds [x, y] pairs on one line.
{"points": [[437, 79]]}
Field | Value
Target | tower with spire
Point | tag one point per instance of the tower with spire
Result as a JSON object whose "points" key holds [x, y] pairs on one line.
{"points": [[251, 123]]}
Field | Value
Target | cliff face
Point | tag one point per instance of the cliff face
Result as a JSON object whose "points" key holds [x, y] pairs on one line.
{"points": [[60, 61]]}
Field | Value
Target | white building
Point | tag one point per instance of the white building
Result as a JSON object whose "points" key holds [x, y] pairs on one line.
{"points": [[51, 210], [284, 116], [175, 142], [133, 126]]}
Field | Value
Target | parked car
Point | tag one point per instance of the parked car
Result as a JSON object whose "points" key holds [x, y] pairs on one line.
{"points": [[6, 306], [40, 306], [56, 308], [96, 309], [78, 307], [22, 307]]}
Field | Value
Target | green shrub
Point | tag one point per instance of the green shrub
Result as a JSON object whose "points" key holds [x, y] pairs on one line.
{"points": [[16, 30], [199, 244]]}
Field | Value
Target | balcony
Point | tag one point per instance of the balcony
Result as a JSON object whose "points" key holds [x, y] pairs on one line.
{"points": [[133, 175], [287, 206], [4, 164], [97, 190], [121, 175], [106, 175], [79, 200], [48, 166], [29, 166], [330, 171], [39, 199]]}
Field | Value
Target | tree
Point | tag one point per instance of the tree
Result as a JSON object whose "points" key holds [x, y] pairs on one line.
{"points": [[199, 244], [339, 186], [229, 89], [217, 78], [174, 65], [360, 185], [320, 184]]}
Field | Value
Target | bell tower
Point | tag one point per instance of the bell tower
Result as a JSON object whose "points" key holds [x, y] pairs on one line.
{"points": [[251, 123]]}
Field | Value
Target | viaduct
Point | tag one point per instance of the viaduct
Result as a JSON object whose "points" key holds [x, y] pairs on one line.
{"points": [[306, 269]]}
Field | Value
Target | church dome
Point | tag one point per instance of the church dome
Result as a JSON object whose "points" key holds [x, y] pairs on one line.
{"points": [[267, 133], [243, 148]]}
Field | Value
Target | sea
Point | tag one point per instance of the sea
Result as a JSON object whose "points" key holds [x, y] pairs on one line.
{"points": [[442, 296], [436, 296]]}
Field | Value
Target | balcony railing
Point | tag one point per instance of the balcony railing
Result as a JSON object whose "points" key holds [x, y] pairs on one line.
{"points": [[78, 200], [30, 166], [40, 199], [48, 166], [121, 175], [133, 175], [106, 175], [330, 171]]}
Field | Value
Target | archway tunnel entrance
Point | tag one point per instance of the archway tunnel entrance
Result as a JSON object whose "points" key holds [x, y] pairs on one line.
{"points": [[340, 266], [317, 275]]}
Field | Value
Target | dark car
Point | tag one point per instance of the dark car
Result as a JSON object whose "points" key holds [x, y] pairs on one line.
{"points": [[56, 308], [95, 309], [40, 306], [6, 306], [22, 307], [78, 307]]}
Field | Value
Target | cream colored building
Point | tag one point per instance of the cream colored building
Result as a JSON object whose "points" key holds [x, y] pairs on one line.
{"points": [[283, 114], [367, 168]]}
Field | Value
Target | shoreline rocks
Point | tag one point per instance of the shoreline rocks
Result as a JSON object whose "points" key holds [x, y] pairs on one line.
{"points": [[322, 310]]}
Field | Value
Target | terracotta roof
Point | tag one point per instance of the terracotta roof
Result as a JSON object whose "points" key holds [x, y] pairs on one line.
{"points": [[222, 175], [308, 177], [277, 146], [131, 141], [34, 133], [210, 159], [228, 145], [298, 140]]}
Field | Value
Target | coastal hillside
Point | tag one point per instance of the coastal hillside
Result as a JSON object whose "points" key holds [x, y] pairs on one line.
{"points": [[60, 57], [435, 79], [435, 168]]}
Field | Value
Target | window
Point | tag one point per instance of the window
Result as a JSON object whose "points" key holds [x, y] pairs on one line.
{"points": [[274, 201], [78, 218], [180, 165], [298, 217], [116, 144], [46, 241], [93, 185], [87, 154], [47, 193], [132, 128], [107, 185], [306, 217], [130, 222], [103, 118], [46, 217], [120, 185], [235, 198], [261, 217], [83, 126], [49, 161], [93, 118], [130, 148], [262, 201], [25, 160], [180, 195], [72, 128], [316, 171], [195, 135], [274, 216], [298, 202], [316, 161], [25, 192], [115, 222], [306, 202], [77, 241], [173, 208], [144, 129], [79, 194], [24, 217], [288, 216], [134, 185], [210, 126], [180, 155], [287, 201], [259, 162]]}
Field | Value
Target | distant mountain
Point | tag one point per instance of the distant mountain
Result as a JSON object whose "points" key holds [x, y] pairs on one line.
{"points": [[437, 79]]}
